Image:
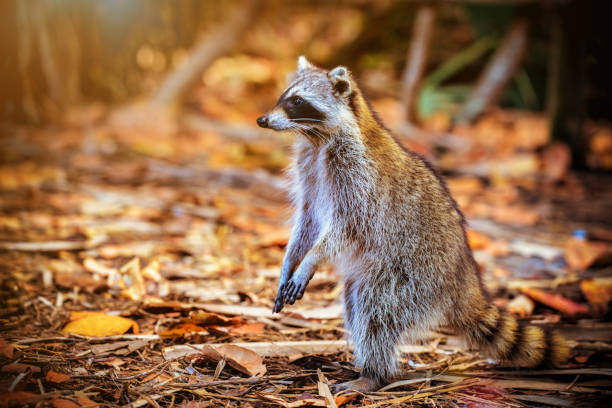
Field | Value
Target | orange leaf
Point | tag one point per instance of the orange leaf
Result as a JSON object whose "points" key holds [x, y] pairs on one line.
{"points": [[343, 399], [55, 377], [557, 302], [477, 240], [98, 324], [597, 291], [182, 329], [249, 328], [17, 398]]}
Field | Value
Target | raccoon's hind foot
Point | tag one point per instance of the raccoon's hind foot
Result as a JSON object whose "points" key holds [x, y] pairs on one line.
{"points": [[362, 384]]}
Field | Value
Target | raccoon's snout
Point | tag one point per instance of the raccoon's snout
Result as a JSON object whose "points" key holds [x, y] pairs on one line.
{"points": [[262, 121]]}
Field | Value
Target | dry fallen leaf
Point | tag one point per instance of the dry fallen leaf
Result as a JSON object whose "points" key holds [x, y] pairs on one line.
{"points": [[182, 329], [82, 401], [598, 292], [55, 377], [240, 358], [343, 399], [203, 318], [515, 214], [477, 240], [20, 368], [556, 160], [582, 254], [6, 349], [93, 266], [249, 328], [98, 324], [151, 271], [556, 301], [17, 398]]}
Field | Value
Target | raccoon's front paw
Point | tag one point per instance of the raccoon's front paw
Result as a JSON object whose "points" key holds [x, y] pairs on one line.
{"points": [[278, 302], [294, 289]]}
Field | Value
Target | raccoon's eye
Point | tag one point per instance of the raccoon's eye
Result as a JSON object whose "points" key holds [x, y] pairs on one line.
{"points": [[296, 100]]}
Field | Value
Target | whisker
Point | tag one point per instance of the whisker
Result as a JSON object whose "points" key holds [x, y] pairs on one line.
{"points": [[305, 120]]}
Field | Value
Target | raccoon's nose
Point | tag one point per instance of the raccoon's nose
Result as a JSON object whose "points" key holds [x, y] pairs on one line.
{"points": [[262, 121]]}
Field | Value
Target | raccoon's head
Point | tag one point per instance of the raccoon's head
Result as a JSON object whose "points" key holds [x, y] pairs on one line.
{"points": [[316, 103]]}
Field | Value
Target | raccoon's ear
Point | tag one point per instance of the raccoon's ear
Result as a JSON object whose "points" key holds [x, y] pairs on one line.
{"points": [[339, 78], [303, 63]]}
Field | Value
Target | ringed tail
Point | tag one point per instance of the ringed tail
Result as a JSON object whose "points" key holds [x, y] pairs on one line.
{"points": [[501, 336]]}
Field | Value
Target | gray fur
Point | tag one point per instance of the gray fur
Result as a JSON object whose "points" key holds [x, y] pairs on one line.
{"points": [[387, 221]]}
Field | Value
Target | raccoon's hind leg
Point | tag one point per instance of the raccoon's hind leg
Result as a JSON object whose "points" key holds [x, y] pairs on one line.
{"points": [[377, 326]]}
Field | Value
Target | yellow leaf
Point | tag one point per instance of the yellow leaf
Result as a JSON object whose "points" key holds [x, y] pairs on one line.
{"points": [[97, 324]]}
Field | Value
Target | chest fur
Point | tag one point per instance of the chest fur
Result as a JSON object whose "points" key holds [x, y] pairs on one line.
{"points": [[312, 190]]}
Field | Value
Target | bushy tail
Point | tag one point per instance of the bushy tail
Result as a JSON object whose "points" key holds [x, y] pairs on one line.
{"points": [[501, 336]]}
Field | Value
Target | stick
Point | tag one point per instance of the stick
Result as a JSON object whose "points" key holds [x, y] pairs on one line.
{"points": [[416, 60]]}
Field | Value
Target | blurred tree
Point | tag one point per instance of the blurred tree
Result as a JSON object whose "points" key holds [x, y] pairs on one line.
{"points": [[41, 24], [206, 51], [416, 60], [498, 73]]}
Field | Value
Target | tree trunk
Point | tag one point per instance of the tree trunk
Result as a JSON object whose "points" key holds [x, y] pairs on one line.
{"points": [[47, 37], [205, 52], [416, 60], [498, 73]]}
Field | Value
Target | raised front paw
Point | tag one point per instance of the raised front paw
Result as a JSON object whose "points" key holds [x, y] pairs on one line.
{"points": [[294, 289]]}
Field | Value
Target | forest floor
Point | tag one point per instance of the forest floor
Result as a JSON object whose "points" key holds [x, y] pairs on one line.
{"points": [[122, 252]]}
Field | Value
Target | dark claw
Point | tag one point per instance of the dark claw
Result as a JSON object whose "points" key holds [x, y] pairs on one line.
{"points": [[287, 289], [278, 305], [297, 289]]}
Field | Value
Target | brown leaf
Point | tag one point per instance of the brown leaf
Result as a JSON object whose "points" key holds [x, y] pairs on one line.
{"points": [[7, 350], [98, 324], [82, 401], [582, 254], [204, 319], [55, 377], [114, 362], [242, 359], [556, 160], [519, 215], [20, 368]]}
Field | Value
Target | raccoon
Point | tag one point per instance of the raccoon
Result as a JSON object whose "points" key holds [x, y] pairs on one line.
{"points": [[388, 221]]}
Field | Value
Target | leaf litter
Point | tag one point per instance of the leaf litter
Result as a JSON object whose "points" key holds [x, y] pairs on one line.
{"points": [[145, 275]]}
